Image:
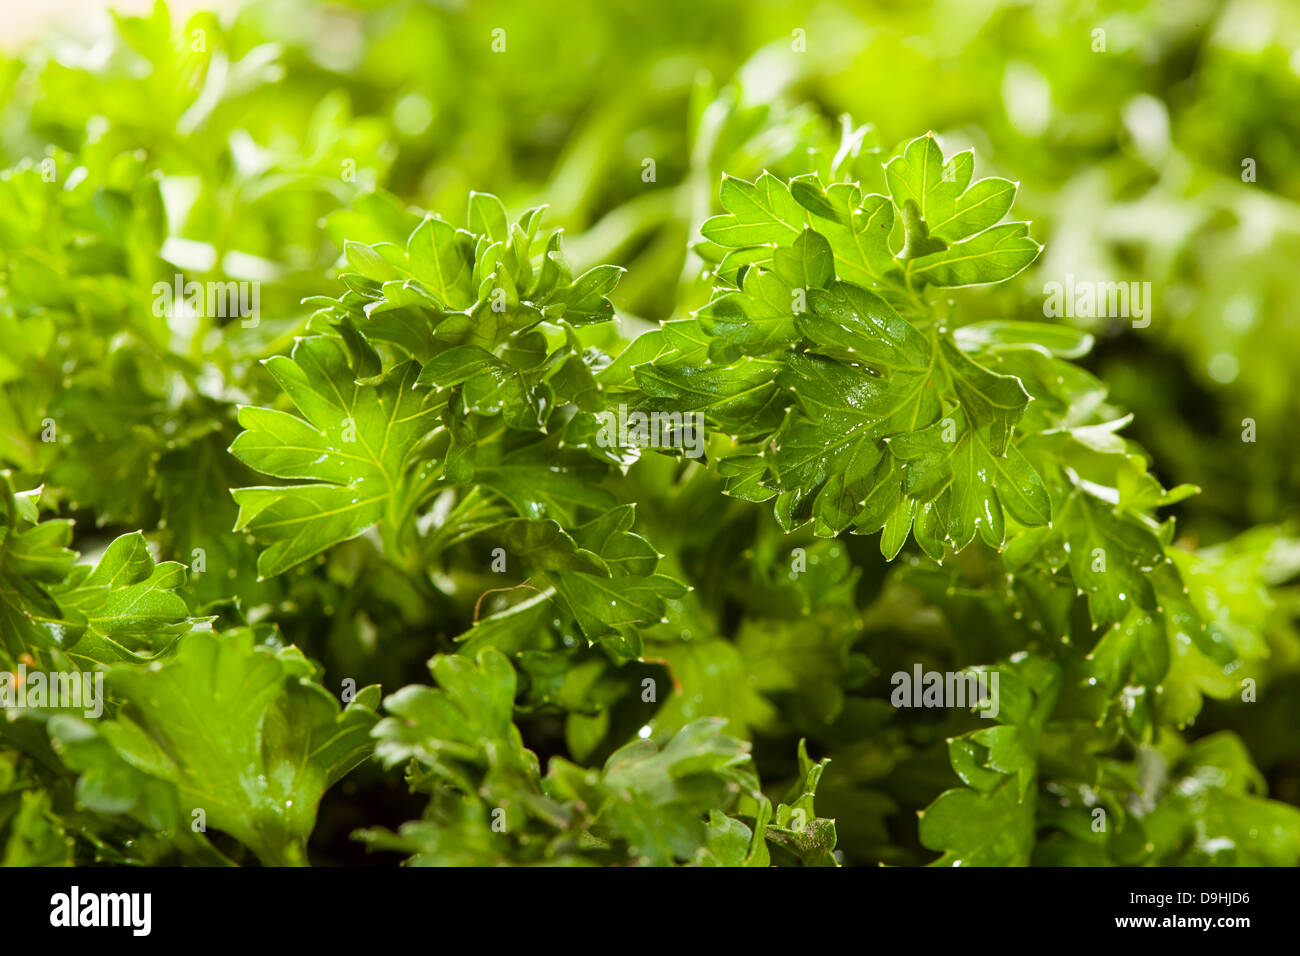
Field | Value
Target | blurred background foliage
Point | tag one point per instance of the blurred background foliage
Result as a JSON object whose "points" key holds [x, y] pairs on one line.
{"points": [[240, 146]]}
